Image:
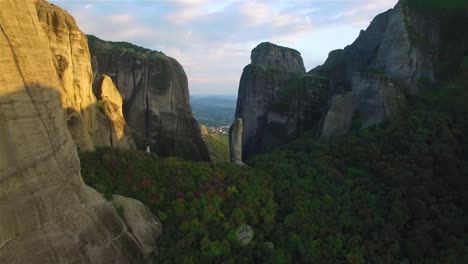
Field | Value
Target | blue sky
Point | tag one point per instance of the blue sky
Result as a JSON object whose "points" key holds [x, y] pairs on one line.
{"points": [[213, 39]]}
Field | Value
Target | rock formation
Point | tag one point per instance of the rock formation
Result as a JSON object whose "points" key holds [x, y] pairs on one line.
{"points": [[115, 132], [72, 63], [338, 119], [203, 130], [48, 214], [155, 95], [403, 51], [144, 226], [73, 67], [277, 99], [235, 141]]}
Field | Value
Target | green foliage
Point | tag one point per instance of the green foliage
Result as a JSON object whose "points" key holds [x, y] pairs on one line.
{"points": [[389, 194], [392, 194], [100, 47], [464, 65], [198, 203], [218, 146], [297, 87], [439, 4]]}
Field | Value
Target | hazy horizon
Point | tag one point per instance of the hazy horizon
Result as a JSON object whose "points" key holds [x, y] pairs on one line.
{"points": [[213, 39]]}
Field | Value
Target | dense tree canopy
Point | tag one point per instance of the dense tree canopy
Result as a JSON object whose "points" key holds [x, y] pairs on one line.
{"points": [[396, 193]]}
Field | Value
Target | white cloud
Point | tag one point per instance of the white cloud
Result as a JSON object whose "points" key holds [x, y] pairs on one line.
{"points": [[213, 39]]}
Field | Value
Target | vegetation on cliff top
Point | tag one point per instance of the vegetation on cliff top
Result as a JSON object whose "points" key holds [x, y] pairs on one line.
{"points": [[98, 46]]}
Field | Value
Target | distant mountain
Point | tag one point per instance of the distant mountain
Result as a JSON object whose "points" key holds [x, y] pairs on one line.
{"points": [[214, 110], [226, 101]]}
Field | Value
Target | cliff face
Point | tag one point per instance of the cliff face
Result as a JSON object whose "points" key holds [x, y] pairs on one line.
{"points": [[404, 50], [48, 215], [72, 65], [277, 99], [114, 131], [155, 95]]}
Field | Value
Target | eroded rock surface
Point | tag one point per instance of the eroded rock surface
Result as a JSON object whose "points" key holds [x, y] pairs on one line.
{"points": [[277, 100], [235, 141], [155, 95], [72, 64], [338, 119], [48, 214], [112, 127], [144, 226]]}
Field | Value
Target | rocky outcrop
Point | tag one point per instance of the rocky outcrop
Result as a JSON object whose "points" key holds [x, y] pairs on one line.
{"points": [[72, 65], [376, 98], [277, 100], [403, 51], [203, 130], [338, 119], [88, 126], [144, 226], [48, 214], [155, 95], [114, 132], [235, 141]]}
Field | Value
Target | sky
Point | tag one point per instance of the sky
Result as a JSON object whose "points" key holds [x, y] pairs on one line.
{"points": [[212, 39]]}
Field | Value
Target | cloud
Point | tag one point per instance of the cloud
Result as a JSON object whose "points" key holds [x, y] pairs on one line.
{"points": [[213, 39]]}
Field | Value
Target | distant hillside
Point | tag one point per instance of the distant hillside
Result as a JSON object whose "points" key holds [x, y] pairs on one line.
{"points": [[214, 110]]}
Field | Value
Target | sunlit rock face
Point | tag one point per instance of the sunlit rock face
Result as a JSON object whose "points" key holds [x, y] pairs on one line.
{"points": [[112, 127], [72, 64], [48, 215], [156, 100], [90, 126]]}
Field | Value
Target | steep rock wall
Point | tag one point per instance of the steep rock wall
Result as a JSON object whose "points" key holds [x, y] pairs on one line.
{"points": [[48, 215], [277, 100], [114, 131], [69, 46], [156, 101]]}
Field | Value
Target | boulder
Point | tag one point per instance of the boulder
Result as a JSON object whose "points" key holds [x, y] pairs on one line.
{"points": [[144, 226], [245, 234]]}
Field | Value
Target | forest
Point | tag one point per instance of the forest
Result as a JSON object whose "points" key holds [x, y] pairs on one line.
{"points": [[393, 193]]}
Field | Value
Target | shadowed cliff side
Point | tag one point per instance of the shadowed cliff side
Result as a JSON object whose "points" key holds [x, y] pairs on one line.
{"points": [[48, 215], [156, 100], [277, 100]]}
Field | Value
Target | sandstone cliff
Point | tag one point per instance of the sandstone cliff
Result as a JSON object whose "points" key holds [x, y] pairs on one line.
{"points": [[114, 131], [72, 65], [155, 95], [277, 99], [48, 215]]}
